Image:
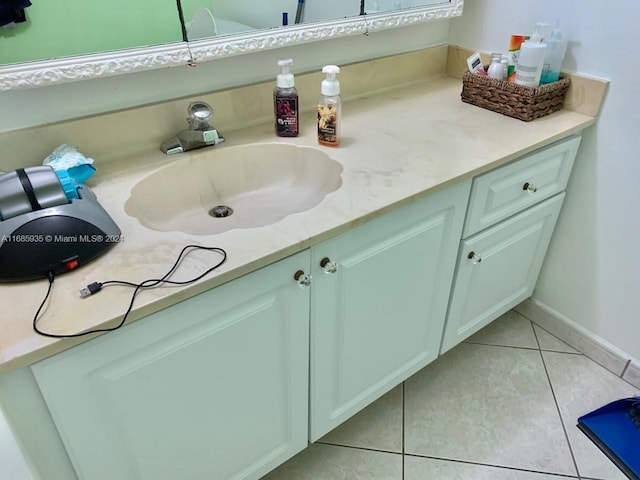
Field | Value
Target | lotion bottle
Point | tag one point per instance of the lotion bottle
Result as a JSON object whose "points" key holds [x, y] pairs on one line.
{"points": [[285, 101], [330, 108], [531, 59]]}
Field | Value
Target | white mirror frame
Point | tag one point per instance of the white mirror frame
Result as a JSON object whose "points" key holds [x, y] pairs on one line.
{"points": [[84, 67]]}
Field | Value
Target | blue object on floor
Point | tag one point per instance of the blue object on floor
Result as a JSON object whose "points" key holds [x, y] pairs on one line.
{"points": [[615, 429]]}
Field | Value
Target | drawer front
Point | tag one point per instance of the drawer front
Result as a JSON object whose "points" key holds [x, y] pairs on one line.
{"points": [[510, 189]]}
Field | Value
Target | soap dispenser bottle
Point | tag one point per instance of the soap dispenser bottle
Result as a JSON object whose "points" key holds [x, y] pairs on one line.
{"points": [[556, 48], [285, 101], [531, 59], [330, 108]]}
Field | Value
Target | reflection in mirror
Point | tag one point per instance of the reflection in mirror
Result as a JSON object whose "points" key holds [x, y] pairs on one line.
{"points": [[54, 28], [209, 18], [378, 6]]}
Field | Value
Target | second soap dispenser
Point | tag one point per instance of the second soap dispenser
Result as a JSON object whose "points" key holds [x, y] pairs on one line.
{"points": [[285, 101], [330, 108]]}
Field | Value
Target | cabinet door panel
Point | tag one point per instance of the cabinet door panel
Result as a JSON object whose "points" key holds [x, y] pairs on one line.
{"points": [[378, 318], [511, 255], [213, 387]]}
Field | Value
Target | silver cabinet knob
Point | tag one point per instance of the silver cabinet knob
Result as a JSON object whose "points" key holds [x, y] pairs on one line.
{"points": [[529, 188], [302, 278], [475, 258], [329, 266]]}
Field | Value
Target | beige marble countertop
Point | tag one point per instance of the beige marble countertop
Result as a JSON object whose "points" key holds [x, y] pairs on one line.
{"points": [[397, 147]]}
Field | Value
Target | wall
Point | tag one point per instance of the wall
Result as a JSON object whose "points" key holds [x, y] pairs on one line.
{"points": [[591, 275]]}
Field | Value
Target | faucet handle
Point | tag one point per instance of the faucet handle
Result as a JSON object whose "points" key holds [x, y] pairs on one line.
{"points": [[212, 137], [199, 115], [172, 146]]}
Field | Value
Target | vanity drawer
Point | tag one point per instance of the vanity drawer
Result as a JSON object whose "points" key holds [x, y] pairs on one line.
{"points": [[516, 186]]}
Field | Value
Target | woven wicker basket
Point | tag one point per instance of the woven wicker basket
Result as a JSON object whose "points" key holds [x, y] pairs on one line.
{"points": [[518, 101]]}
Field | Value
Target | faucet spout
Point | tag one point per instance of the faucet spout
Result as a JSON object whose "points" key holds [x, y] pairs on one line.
{"points": [[199, 134]]}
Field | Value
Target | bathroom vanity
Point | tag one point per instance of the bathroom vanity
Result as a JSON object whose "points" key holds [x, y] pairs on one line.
{"points": [[440, 225]]}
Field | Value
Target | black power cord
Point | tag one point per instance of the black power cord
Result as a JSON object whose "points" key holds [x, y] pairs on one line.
{"points": [[95, 287]]}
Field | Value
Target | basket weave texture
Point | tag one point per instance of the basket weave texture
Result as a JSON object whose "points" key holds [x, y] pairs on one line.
{"points": [[518, 101]]}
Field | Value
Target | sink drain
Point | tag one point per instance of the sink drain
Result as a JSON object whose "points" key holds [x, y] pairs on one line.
{"points": [[220, 211]]}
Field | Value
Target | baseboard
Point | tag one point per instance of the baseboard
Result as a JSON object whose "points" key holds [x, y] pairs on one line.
{"points": [[592, 346]]}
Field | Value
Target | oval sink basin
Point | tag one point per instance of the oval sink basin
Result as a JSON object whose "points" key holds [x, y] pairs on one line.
{"points": [[219, 189]]}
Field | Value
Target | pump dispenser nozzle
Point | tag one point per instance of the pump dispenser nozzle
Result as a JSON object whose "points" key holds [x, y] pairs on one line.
{"points": [[285, 77], [330, 85], [541, 31]]}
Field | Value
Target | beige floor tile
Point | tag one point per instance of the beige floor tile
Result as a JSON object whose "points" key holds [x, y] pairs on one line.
{"points": [[489, 405], [550, 342], [509, 330], [417, 468], [581, 386], [379, 426], [328, 462]]}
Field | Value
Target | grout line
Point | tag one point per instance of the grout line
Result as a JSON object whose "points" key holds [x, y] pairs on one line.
{"points": [[564, 427], [503, 346], [534, 324], [452, 460], [523, 348], [368, 449], [626, 367], [533, 329], [504, 467]]}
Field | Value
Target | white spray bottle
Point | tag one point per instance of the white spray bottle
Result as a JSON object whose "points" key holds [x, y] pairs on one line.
{"points": [[531, 60]]}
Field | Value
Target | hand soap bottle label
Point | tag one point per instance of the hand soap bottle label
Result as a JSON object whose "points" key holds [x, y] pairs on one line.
{"points": [[286, 117], [327, 124]]}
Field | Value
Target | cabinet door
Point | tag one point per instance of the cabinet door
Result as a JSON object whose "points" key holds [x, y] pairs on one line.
{"points": [[213, 387], [498, 268], [379, 317]]}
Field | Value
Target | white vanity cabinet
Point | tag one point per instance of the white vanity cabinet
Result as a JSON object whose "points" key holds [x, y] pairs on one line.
{"points": [[213, 387], [233, 382], [218, 386], [511, 217], [378, 303]]}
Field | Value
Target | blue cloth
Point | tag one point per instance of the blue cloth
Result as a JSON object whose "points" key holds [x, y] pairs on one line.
{"points": [[12, 11], [615, 429], [72, 167]]}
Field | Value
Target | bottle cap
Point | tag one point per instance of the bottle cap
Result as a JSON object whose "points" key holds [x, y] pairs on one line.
{"points": [[285, 77], [330, 85], [541, 31], [557, 34]]}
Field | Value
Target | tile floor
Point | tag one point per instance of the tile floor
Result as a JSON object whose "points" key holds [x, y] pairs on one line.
{"points": [[502, 406]]}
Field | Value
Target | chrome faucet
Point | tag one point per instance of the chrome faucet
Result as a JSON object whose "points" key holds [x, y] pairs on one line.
{"points": [[199, 134]]}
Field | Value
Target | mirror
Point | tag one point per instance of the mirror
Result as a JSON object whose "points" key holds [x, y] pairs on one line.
{"points": [[56, 29], [211, 18], [248, 30]]}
